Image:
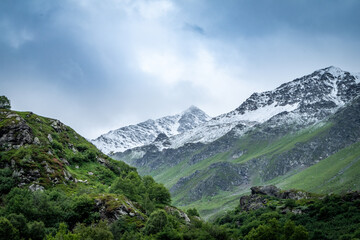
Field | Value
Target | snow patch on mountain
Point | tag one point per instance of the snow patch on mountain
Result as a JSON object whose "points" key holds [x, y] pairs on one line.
{"points": [[146, 132], [264, 113]]}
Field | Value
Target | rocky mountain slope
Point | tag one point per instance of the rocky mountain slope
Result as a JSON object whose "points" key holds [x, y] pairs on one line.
{"points": [[146, 132], [297, 125]]}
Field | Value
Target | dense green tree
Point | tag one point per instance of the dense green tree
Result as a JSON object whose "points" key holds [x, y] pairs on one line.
{"points": [[300, 233], [83, 209], [262, 232], [160, 194], [36, 230], [122, 226], [99, 231], [290, 203], [7, 230], [7, 181], [168, 234], [20, 201], [147, 204], [193, 212], [20, 223], [156, 222], [289, 229], [4, 102], [63, 234]]}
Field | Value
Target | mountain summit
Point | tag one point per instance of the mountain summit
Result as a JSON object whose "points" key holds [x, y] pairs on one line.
{"points": [[146, 132], [302, 101]]}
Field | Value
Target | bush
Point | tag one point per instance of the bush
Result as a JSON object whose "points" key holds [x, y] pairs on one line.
{"points": [[7, 181], [7, 230], [120, 227], [98, 231], [193, 212], [19, 222], [36, 230], [156, 222], [63, 234]]}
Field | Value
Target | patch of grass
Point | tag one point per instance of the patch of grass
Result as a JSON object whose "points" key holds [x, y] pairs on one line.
{"points": [[336, 174], [258, 148]]}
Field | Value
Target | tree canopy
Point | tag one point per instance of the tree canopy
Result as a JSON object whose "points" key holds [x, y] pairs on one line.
{"points": [[4, 103]]}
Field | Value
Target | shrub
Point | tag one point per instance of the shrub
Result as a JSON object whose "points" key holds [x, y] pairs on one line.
{"points": [[98, 231], [7, 230], [191, 212], [156, 222]]}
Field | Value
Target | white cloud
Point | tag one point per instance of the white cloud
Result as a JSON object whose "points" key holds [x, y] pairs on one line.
{"points": [[153, 9]]}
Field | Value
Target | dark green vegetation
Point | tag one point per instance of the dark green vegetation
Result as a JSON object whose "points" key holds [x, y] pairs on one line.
{"points": [[322, 158], [4, 103], [56, 185], [310, 217]]}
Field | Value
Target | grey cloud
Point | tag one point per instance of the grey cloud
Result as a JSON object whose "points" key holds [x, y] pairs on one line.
{"points": [[78, 60]]}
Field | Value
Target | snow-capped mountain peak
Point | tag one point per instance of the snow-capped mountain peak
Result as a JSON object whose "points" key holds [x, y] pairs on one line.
{"points": [[146, 132], [303, 101]]}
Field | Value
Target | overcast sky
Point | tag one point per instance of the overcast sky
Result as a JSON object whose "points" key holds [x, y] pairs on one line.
{"points": [[97, 65]]}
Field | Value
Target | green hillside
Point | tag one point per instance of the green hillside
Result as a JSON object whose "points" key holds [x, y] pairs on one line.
{"points": [[56, 185]]}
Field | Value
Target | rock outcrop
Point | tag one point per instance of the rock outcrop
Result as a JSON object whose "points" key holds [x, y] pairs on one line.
{"points": [[261, 195]]}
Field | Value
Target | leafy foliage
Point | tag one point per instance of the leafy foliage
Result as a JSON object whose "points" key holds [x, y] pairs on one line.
{"points": [[144, 190], [331, 217], [4, 102]]}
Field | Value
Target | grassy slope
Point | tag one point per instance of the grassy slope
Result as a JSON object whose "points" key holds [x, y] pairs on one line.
{"points": [[346, 162], [170, 176], [335, 174]]}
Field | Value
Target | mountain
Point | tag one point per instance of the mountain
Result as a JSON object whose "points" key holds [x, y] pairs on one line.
{"points": [[276, 136], [146, 132], [308, 99]]}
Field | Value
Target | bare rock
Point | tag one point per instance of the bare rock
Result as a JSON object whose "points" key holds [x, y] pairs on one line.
{"points": [[269, 190], [50, 138], [15, 134], [36, 141], [175, 211], [58, 126], [34, 187]]}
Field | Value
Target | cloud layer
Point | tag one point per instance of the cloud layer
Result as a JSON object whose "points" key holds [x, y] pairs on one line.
{"points": [[99, 65]]}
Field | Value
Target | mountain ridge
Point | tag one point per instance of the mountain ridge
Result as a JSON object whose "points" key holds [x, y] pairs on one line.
{"points": [[146, 132], [326, 89], [267, 150]]}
